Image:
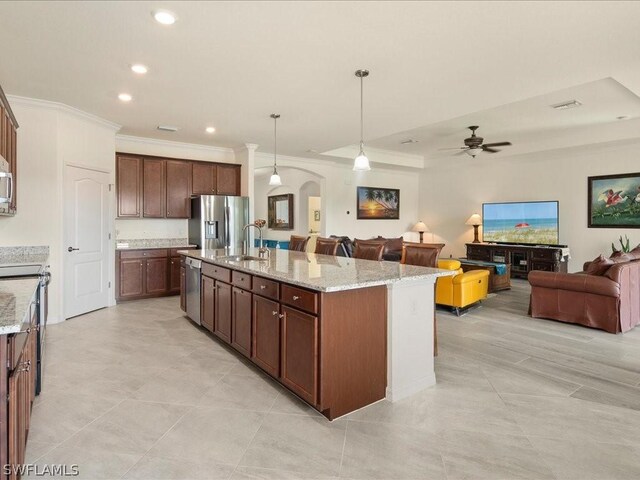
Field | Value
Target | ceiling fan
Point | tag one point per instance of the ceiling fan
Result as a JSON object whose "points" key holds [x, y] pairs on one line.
{"points": [[474, 145]]}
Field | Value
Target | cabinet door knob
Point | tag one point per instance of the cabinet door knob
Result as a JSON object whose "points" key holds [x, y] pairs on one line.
{"points": [[281, 316], [262, 287], [274, 313], [295, 297]]}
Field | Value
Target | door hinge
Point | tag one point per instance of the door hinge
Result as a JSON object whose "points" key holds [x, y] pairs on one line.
{"points": [[109, 187], [109, 284], [109, 236]]}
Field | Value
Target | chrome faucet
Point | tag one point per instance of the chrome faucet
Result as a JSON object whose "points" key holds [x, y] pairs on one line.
{"points": [[262, 251]]}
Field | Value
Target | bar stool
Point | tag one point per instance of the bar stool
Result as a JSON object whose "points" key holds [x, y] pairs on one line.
{"points": [[327, 246], [369, 249], [424, 255], [298, 244]]}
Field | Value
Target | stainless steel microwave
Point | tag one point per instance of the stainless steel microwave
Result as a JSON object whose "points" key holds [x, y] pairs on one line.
{"points": [[6, 188]]}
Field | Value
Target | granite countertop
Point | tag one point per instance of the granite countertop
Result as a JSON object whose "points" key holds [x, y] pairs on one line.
{"points": [[149, 243], [15, 298], [323, 273], [23, 259]]}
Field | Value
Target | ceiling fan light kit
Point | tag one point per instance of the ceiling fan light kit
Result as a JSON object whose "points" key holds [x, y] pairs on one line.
{"points": [[361, 162]]}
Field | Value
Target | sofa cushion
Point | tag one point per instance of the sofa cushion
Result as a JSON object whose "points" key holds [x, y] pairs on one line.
{"points": [[599, 266], [620, 257]]}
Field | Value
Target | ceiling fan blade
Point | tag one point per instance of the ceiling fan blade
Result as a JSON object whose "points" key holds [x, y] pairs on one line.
{"points": [[490, 150], [499, 144], [452, 148], [460, 153]]}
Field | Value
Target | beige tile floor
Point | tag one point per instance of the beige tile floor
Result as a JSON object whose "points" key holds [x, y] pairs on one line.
{"points": [[138, 392]]}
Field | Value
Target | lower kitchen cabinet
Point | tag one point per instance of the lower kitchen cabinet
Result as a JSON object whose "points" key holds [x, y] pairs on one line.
{"points": [[266, 335], [222, 308], [299, 362], [241, 321], [148, 273], [183, 287], [207, 302], [18, 387]]}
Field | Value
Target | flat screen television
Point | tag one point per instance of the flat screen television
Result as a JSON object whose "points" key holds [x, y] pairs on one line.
{"points": [[525, 223]]}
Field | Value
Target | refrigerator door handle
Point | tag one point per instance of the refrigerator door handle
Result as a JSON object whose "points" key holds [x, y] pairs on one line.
{"points": [[227, 212]]}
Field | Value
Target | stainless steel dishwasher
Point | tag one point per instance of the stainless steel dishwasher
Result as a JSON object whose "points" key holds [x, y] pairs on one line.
{"points": [[192, 286]]}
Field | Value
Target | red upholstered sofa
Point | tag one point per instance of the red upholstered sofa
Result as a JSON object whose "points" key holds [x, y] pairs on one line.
{"points": [[608, 300]]}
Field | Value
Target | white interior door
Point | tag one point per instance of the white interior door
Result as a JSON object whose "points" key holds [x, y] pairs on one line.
{"points": [[86, 222]]}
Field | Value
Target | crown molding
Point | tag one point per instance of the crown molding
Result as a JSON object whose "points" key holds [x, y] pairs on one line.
{"points": [[172, 144], [61, 107]]}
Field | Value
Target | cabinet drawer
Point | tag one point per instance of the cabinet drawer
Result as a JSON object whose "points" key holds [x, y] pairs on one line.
{"points": [[152, 253], [214, 271], [266, 288], [544, 266], [299, 298], [549, 255], [240, 279], [478, 253], [16, 344]]}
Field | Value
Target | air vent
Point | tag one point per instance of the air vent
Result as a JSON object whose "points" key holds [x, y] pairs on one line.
{"points": [[411, 140], [566, 105], [167, 128]]}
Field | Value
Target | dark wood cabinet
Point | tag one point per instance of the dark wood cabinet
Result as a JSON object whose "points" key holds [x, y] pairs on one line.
{"points": [[241, 321], [148, 273], [178, 190], [204, 179], [174, 275], [299, 361], [18, 359], [153, 186], [129, 184], [207, 294], [266, 335], [131, 278], [521, 258], [228, 180], [156, 276], [222, 327], [9, 148]]}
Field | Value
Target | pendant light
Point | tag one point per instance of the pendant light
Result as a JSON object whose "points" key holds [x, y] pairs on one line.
{"points": [[275, 178], [361, 162]]}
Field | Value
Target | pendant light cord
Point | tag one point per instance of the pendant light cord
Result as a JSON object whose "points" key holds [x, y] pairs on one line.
{"points": [[361, 113]]}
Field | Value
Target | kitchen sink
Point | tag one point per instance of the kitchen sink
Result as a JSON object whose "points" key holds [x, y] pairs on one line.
{"points": [[242, 258]]}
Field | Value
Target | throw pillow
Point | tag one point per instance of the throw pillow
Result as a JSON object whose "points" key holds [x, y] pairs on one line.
{"points": [[620, 257], [599, 266], [635, 253]]}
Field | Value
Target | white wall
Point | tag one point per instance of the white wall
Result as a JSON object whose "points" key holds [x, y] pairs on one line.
{"points": [[163, 228], [49, 136], [451, 192], [338, 184]]}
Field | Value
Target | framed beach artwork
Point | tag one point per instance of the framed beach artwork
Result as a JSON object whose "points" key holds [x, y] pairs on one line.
{"points": [[378, 203], [614, 201]]}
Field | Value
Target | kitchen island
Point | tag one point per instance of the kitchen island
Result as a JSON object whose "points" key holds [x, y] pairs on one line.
{"points": [[341, 333]]}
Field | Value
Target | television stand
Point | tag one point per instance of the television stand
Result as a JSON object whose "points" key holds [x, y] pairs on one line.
{"points": [[521, 258]]}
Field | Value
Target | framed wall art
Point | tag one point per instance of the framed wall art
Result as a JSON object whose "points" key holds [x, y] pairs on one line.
{"points": [[614, 201], [376, 203]]}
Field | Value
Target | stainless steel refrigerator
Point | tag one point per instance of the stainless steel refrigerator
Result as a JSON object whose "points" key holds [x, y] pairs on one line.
{"points": [[217, 221]]}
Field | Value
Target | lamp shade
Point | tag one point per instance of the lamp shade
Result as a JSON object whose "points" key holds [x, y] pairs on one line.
{"points": [[420, 227], [474, 219]]}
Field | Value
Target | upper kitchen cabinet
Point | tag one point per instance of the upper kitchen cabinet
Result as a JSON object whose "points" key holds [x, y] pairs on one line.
{"points": [[129, 185], [178, 189], [228, 180], [153, 187], [204, 178], [9, 151]]}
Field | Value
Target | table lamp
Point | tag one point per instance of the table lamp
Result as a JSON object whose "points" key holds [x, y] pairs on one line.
{"points": [[421, 228], [476, 221]]}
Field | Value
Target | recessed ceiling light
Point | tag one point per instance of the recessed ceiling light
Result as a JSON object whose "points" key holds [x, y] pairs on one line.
{"points": [[125, 97], [139, 68], [164, 17], [210, 129]]}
